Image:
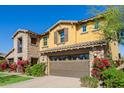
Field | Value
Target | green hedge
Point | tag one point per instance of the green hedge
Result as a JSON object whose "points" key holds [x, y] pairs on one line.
{"points": [[36, 70], [90, 82], [113, 78]]}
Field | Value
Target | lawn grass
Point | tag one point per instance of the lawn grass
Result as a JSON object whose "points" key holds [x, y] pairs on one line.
{"points": [[9, 79], [2, 74]]}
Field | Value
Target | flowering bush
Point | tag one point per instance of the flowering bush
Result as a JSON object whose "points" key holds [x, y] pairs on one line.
{"points": [[21, 65], [99, 65], [13, 67], [3, 66], [19, 62]]}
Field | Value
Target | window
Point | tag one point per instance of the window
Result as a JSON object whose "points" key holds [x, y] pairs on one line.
{"points": [[45, 39], [62, 36], [33, 40], [20, 45], [19, 58], [11, 60], [84, 28], [96, 26], [34, 61], [84, 56]]}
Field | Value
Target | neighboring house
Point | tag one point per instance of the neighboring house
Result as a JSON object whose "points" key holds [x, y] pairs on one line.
{"points": [[68, 47], [2, 56], [26, 47]]}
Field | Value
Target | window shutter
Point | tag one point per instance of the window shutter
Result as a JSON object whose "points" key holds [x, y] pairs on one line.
{"points": [[55, 38], [66, 34]]}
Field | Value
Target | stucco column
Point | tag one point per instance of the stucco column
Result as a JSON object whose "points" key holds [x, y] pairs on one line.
{"points": [[91, 60], [113, 45], [48, 66]]}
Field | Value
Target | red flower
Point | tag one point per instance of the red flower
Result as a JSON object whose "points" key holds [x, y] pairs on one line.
{"points": [[13, 67], [106, 62], [96, 73], [3, 66], [20, 62], [99, 65]]}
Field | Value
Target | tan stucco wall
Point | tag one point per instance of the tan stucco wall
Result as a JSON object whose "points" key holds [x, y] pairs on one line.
{"points": [[115, 50], [75, 35], [71, 36], [90, 35]]}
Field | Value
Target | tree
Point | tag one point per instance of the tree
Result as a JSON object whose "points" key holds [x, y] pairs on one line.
{"points": [[114, 22]]}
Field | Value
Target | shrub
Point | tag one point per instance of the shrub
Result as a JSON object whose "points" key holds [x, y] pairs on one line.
{"points": [[36, 70], [3, 66], [90, 82], [99, 65], [1, 62], [22, 65], [28, 70], [113, 78], [13, 67]]}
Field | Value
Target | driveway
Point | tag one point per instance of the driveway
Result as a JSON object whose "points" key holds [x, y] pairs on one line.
{"points": [[48, 82]]}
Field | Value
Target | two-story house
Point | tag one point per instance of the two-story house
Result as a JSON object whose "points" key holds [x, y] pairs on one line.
{"points": [[26, 47], [68, 47]]}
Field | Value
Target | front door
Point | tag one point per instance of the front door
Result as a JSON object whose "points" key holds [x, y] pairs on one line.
{"points": [[34, 61]]}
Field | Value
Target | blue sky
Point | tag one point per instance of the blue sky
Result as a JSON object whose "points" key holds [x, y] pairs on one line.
{"points": [[37, 19]]}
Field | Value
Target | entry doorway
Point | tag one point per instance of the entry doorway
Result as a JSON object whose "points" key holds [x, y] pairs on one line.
{"points": [[34, 61]]}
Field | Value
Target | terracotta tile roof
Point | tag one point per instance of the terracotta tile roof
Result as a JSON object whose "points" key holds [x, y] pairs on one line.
{"points": [[73, 21], [9, 52], [25, 31], [75, 46], [57, 23]]}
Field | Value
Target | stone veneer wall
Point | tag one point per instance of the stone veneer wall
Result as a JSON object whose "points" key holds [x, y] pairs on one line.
{"points": [[28, 49], [24, 53], [33, 50]]}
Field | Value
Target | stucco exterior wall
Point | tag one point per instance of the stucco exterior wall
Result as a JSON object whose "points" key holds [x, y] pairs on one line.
{"points": [[115, 51], [71, 36], [90, 35], [75, 35]]}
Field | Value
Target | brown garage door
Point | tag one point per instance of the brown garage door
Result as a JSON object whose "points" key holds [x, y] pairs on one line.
{"points": [[70, 69]]}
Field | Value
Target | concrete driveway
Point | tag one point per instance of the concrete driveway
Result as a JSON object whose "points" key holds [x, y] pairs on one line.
{"points": [[48, 82]]}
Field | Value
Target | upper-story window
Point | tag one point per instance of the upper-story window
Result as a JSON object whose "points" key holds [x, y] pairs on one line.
{"points": [[96, 26], [62, 36], [84, 28], [19, 45], [33, 40], [45, 41]]}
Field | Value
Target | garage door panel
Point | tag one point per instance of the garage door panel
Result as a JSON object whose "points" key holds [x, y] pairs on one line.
{"points": [[68, 73], [72, 69]]}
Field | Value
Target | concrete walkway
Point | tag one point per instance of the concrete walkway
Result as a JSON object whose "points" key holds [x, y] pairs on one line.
{"points": [[48, 82]]}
